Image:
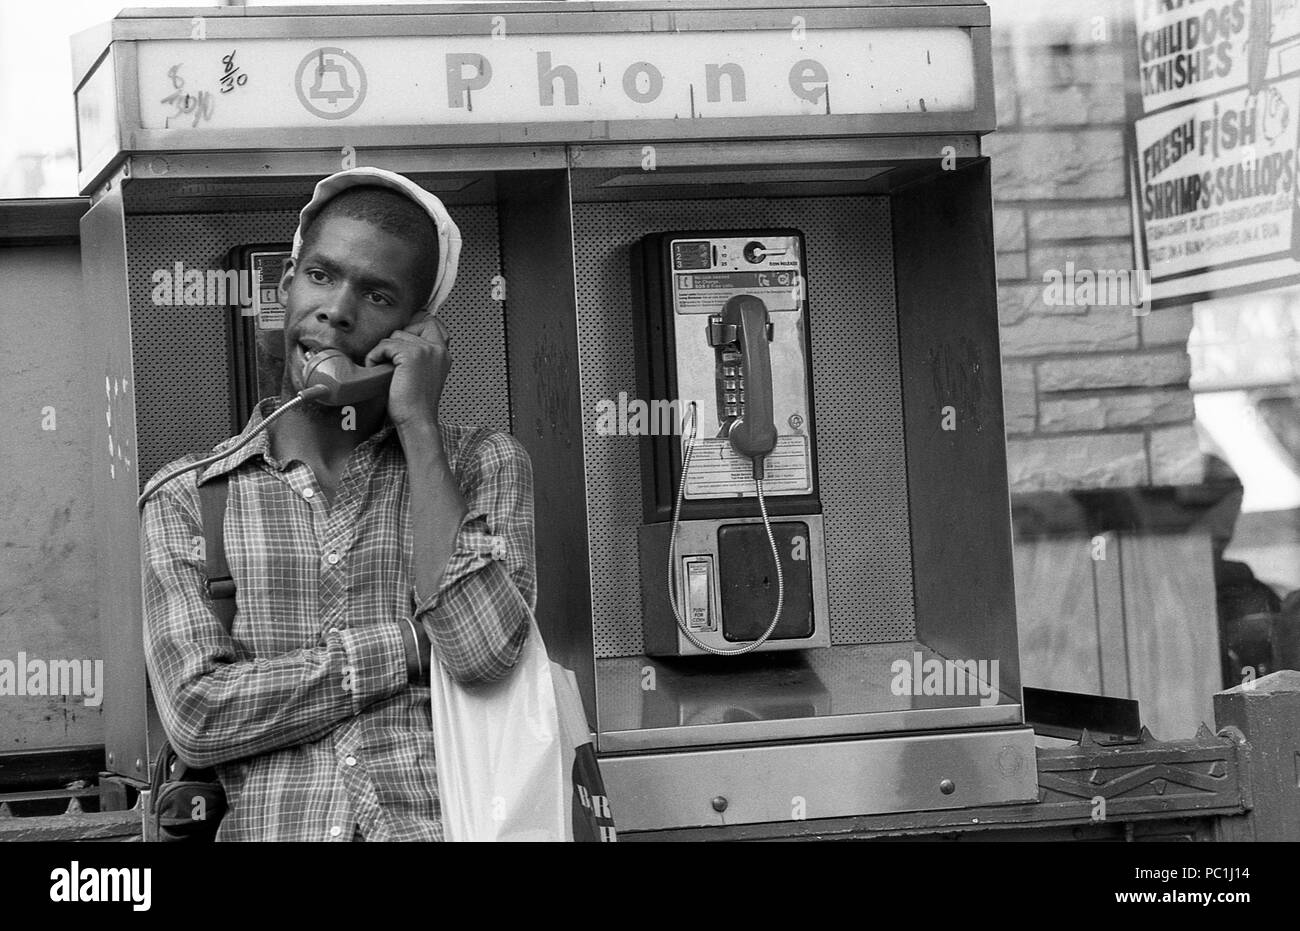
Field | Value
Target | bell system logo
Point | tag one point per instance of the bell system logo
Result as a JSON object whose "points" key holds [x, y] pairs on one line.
{"points": [[331, 83]]}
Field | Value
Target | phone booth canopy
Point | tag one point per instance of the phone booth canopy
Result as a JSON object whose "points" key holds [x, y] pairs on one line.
{"points": [[615, 168]]}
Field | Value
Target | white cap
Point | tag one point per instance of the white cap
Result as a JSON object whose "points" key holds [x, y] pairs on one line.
{"points": [[448, 233]]}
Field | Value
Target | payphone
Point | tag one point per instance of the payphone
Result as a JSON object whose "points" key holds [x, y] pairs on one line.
{"points": [[724, 348], [256, 328]]}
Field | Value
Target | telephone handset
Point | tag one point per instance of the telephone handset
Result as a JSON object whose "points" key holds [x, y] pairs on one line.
{"points": [[330, 378], [344, 381], [741, 334]]}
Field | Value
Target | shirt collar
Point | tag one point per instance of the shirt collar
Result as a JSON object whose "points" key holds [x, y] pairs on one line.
{"points": [[260, 445]]}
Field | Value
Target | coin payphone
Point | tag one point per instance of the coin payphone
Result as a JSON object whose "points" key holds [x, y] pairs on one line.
{"points": [[256, 328], [732, 550]]}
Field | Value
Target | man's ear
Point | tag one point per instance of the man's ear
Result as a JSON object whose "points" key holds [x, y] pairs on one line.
{"points": [[286, 279]]}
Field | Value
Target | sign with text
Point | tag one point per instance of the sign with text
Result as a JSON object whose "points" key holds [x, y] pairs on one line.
{"points": [[1192, 49], [1217, 190], [1188, 49], [392, 81]]}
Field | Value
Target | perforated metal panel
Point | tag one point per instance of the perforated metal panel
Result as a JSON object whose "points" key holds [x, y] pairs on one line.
{"points": [[857, 399], [181, 353]]}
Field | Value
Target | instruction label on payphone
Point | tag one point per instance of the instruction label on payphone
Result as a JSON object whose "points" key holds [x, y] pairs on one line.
{"points": [[718, 472], [267, 269], [708, 273]]}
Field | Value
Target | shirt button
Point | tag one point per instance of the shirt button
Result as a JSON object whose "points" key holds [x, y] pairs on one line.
{"points": [[335, 831], [351, 761], [309, 493], [332, 559]]}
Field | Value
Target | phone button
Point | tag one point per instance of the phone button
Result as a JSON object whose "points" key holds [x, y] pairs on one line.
{"points": [[699, 592]]}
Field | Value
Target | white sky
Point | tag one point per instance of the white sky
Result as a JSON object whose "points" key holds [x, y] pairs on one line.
{"points": [[36, 107]]}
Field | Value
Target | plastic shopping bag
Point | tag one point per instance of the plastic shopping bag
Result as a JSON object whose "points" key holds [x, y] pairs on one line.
{"points": [[588, 813], [507, 752]]}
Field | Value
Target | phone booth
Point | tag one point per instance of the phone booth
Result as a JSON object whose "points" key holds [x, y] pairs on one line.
{"points": [[755, 242]]}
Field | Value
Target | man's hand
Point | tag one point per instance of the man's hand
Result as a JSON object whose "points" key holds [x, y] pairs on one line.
{"points": [[419, 351]]}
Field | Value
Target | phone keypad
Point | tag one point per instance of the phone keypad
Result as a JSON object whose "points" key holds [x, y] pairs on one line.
{"points": [[733, 390]]}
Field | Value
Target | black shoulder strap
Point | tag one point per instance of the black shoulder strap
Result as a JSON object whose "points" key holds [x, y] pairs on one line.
{"points": [[220, 584]]}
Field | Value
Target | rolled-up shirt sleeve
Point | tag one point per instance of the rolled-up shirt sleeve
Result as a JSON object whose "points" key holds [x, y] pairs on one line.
{"points": [[479, 618]]}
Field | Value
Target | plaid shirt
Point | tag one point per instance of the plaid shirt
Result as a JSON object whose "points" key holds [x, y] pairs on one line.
{"points": [[304, 708]]}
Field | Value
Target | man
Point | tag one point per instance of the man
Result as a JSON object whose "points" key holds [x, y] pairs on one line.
{"points": [[356, 539]]}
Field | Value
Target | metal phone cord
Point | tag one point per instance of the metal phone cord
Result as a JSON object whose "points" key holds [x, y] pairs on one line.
{"points": [[672, 546]]}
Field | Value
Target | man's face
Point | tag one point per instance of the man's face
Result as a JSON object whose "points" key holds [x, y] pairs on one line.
{"points": [[352, 286]]}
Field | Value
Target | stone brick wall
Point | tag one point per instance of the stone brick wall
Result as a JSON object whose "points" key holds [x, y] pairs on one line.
{"points": [[1095, 396]]}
